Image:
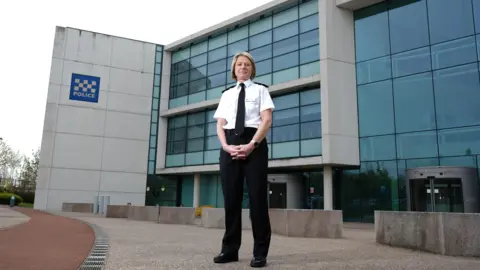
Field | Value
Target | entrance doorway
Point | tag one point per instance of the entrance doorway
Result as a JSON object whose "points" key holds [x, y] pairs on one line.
{"points": [[278, 195], [436, 195], [443, 189]]}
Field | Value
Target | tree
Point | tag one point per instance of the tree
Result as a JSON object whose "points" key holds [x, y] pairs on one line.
{"points": [[10, 161], [28, 174]]}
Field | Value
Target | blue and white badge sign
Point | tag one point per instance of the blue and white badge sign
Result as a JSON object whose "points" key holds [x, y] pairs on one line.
{"points": [[84, 88]]}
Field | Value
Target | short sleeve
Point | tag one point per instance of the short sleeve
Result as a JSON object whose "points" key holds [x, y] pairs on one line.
{"points": [[266, 101], [221, 111]]}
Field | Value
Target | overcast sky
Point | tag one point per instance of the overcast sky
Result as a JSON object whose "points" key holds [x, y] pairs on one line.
{"points": [[27, 29]]}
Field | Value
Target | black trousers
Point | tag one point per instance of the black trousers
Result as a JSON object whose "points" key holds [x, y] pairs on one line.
{"points": [[233, 173]]}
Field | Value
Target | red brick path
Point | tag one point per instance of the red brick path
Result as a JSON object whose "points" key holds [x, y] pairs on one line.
{"points": [[45, 242]]}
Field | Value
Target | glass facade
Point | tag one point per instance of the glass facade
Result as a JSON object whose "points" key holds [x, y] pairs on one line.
{"points": [[284, 44], [157, 81], [418, 95], [296, 132]]}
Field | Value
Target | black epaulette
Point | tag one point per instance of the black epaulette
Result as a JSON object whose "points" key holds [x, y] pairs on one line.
{"points": [[261, 84], [229, 88]]}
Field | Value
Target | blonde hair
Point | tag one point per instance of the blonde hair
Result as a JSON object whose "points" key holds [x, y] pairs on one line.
{"points": [[234, 62]]}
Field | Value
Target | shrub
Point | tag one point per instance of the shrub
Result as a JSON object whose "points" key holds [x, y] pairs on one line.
{"points": [[5, 198], [27, 197]]}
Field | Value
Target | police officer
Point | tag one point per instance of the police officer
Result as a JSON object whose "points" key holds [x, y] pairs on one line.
{"points": [[244, 116]]}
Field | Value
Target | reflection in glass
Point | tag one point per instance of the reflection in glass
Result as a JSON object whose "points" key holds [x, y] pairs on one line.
{"points": [[375, 107], [457, 95], [411, 33], [414, 103], [371, 33], [453, 53], [449, 19]]}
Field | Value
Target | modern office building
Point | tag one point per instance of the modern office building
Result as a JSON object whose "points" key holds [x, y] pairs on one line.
{"points": [[369, 95]]}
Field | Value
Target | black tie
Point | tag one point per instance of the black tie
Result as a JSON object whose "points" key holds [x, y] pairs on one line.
{"points": [[240, 121]]}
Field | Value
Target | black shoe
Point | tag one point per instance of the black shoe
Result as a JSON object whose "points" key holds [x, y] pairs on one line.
{"points": [[225, 258], [258, 262]]}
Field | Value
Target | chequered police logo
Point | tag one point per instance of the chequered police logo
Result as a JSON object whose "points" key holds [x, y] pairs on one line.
{"points": [[84, 88]]}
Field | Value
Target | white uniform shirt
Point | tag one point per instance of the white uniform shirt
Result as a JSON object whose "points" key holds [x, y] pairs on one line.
{"points": [[257, 99]]}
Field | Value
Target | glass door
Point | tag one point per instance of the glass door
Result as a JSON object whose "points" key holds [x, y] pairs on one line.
{"points": [[420, 194], [448, 195], [436, 195], [278, 195]]}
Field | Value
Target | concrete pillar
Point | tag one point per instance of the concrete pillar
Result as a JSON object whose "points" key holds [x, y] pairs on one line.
{"points": [[196, 190], [340, 143], [327, 188]]}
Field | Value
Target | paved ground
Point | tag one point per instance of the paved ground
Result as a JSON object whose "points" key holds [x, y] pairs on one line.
{"points": [[147, 245], [10, 218], [44, 242]]}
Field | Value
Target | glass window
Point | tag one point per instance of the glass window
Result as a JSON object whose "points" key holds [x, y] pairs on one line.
{"points": [[197, 86], [377, 148], [310, 97], [285, 61], [217, 54], [457, 95], [459, 141], [411, 62], [449, 19], [264, 67], [286, 75], [307, 8], [217, 67], [260, 26], [310, 54], [309, 38], [195, 145], [285, 133], [375, 109], [285, 101], [417, 145], [311, 130], [216, 80], [374, 70], [286, 16], [198, 61], [198, 73], [217, 42], [285, 46], [309, 23], [212, 143], [238, 34], [262, 53], [211, 129], [408, 34], [239, 46], [155, 103], [285, 31], [196, 119], [285, 117], [414, 103], [260, 40], [310, 113], [199, 48], [180, 55], [371, 33], [453, 53]]}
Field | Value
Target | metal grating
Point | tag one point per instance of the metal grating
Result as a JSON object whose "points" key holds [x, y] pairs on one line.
{"points": [[98, 255]]}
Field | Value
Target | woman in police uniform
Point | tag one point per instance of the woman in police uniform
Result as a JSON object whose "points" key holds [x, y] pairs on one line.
{"points": [[244, 116]]}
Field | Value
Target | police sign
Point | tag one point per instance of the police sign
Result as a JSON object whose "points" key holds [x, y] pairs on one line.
{"points": [[84, 88]]}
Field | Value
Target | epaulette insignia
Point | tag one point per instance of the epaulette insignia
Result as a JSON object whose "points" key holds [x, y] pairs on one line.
{"points": [[229, 88]]}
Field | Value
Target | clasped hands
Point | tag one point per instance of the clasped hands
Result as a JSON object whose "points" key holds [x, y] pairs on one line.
{"points": [[239, 151]]}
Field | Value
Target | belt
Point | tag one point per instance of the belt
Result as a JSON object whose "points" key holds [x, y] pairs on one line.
{"points": [[247, 130]]}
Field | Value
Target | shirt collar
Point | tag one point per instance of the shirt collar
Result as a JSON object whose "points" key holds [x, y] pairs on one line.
{"points": [[247, 83]]}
